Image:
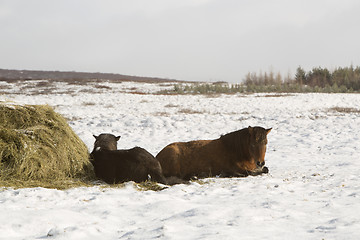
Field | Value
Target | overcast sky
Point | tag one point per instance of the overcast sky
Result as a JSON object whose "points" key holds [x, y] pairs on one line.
{"points": [[205, 40]]}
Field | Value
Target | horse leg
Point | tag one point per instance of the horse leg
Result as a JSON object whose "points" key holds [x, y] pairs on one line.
{"points": [[234, 174], [241, 174]]}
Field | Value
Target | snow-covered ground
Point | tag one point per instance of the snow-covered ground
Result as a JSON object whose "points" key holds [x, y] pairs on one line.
{"points": [[311, 192]]}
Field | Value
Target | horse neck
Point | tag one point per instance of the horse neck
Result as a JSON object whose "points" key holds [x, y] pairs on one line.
{"points": [[238, 143]]}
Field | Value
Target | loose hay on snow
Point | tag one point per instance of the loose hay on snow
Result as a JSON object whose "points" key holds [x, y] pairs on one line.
{"points": [[38, 148]]}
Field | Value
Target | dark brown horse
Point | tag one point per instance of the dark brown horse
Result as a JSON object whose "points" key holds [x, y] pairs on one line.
{"points": [[239, 153], [116, 166]]}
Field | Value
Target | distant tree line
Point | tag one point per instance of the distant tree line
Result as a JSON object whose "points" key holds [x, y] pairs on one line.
{"points": [[348, 77], [342, 79]]}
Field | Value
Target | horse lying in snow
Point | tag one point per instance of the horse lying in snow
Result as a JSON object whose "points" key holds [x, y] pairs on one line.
{"points": [[116, 166], [239, 153]]}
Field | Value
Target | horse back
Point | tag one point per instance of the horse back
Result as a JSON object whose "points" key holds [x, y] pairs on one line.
{"points": [[195, 158], [135, 164]]}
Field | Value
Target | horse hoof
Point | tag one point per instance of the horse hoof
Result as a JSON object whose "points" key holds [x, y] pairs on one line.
{"points": [[265, 170]]}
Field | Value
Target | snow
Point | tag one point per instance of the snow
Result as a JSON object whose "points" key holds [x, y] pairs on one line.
{"points": [[311, 192]]}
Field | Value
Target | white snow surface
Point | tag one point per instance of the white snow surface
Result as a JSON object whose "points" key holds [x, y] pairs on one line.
{"points": [[311, 192]]}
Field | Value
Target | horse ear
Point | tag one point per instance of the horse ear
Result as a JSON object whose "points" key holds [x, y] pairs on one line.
{"points": [[117, 138], [250, 130], [268, 130], [95, 136]]}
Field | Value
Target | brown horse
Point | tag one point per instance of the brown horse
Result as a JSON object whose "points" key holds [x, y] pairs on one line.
{"points": [[239, 153], [116, 166]]}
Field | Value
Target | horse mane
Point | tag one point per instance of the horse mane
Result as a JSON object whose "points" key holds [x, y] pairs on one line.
{"points": [[237, 142]]}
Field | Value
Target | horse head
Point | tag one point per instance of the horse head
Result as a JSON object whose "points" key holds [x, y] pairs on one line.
{"points": [[105, 141], [257, 149]]}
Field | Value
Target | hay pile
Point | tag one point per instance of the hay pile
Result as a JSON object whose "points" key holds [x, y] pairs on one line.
{"points": [[38, 148]]}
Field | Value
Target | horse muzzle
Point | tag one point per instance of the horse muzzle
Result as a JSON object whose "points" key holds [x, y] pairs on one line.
{"points": [[261, 167], [265, 170], [259, 170]]}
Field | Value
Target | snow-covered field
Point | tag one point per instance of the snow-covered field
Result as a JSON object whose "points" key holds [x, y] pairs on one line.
{"points": [[311, 192]]}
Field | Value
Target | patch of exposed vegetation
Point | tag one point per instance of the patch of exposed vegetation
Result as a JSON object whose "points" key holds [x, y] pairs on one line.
{"points": [[150, 186], [170, 105], [344, 110], [190, 111]]}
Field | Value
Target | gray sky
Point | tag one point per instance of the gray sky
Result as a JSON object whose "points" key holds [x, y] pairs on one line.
{"points": [[205, 40]]}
